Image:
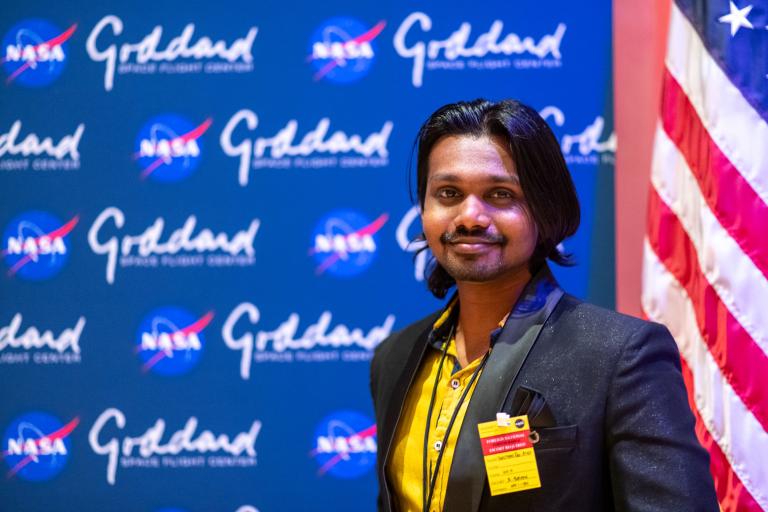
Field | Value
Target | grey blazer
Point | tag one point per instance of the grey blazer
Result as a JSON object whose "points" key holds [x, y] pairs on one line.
{"points": [[617, 432]]}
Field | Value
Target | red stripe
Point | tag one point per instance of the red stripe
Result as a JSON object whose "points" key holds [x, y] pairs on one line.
{"points": [[731, 493], [199, 325], [730, 197], [371, 34], [61, 38], [740, 359]]}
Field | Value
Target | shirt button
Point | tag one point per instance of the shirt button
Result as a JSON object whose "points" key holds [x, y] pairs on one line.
{"points": [[455, 383], [438, 445]]}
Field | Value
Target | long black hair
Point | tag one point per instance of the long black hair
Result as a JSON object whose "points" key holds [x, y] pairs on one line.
{"points": [[544, 176]]}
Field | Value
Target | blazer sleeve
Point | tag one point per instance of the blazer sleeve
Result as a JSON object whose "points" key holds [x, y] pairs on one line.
{"points": [[656, 462]]}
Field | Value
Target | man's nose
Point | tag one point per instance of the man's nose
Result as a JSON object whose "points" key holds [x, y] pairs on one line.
{"points": [[472, 214]]}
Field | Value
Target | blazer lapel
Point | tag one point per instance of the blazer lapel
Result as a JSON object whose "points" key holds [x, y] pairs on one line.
{"points": [[403, 370], [467, 477]]}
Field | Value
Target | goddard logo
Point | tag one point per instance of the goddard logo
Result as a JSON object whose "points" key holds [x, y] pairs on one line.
{"points": [[36, 446], [317, 148], [35, 52], [170, 340], [185, 448], [591, 146], [344, 243], [345, 445], [408, 235], [168, 147], [343, 50], [490, 50], [185, 53], [21, 152], [36, 245], [318, 343], [19, 346], [184, 247]]}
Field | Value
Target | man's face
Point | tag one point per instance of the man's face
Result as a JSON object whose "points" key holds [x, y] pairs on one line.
{"points": [[475, 217]]}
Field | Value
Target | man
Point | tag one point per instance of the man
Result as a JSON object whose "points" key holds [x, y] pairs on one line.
{"points": [[610, 426]]}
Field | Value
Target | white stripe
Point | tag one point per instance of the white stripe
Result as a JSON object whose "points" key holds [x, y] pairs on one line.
{"points": [[733, 124], [738, 282], [733, 427]]}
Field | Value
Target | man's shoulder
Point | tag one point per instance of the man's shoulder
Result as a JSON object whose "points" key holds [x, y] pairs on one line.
{"points": [[576, 310], [598, 323]]}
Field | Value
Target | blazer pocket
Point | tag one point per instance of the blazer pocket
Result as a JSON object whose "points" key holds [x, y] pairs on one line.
{"points": [[555, 438]]}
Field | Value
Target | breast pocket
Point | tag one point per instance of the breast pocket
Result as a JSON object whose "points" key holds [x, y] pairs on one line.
{"points": [[554, 438]]}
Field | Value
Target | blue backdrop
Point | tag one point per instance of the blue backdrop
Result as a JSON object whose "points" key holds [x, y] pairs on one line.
{"points": [[205, 231]]}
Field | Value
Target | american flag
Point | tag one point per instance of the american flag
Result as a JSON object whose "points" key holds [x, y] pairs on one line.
{"points": [[705, 264]]}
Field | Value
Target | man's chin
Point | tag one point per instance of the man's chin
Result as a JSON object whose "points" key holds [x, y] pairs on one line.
{"points": [[473, 274]]}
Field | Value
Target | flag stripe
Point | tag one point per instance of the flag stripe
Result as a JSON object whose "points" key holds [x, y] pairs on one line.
{"points": [[739, 284], [737, 433], [742, 362], [728, 118], [731, 492], [732, 53], [730, 197]]}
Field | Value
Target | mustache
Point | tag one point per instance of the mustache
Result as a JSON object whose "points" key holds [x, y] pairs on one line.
{"points": [[480, 235]]}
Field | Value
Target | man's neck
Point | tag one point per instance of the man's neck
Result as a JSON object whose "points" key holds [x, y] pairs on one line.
{"points": [[482, 307]]}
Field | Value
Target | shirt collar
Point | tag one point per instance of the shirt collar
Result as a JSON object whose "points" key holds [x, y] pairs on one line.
{"points": [[532, 297]]}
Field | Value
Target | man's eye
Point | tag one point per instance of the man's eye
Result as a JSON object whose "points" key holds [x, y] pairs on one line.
{"points": [[502, 194], [447, 193]]}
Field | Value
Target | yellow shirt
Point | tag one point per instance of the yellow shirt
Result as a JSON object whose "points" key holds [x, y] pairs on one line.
{"points": [[405, 467]]}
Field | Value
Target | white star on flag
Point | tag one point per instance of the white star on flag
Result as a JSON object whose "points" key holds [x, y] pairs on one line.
{"points": [[737, 18]]}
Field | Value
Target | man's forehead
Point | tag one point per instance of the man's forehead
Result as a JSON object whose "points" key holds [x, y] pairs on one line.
{"points": [[467, 158], [476, 176]]}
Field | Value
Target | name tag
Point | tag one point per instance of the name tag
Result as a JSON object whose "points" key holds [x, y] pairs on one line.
{"points": [[508, 455]]}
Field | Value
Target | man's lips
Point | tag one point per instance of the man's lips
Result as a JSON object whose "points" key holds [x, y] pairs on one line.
{"points": [[471, 245]]}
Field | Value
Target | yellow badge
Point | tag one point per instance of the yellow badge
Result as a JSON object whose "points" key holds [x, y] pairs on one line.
{"points": [[508, 453]]}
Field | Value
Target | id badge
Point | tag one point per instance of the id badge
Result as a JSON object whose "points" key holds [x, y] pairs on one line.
{"points": [[508, 454]]}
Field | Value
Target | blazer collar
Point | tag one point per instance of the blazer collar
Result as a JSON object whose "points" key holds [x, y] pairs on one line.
{"points": [[466, 481]]}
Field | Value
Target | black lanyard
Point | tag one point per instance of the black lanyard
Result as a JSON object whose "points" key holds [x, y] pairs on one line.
{"points": [[427, 493]]}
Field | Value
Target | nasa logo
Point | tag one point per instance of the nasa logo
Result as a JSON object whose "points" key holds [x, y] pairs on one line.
{"points": [[35, 52], [168, 147], [342, 49], [344, 243], [345, 445], [170, 340], [36, 446], [35, 246]]}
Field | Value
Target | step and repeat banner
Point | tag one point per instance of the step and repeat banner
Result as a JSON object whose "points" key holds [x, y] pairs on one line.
{"points": [[206, 228]]}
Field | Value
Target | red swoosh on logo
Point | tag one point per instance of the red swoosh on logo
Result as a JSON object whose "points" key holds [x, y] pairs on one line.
{"points": [[363, 38], [191, 135], [370, 229], [57, 233], [56, 41], [195, 327], [369, 432], [62, 433]]}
